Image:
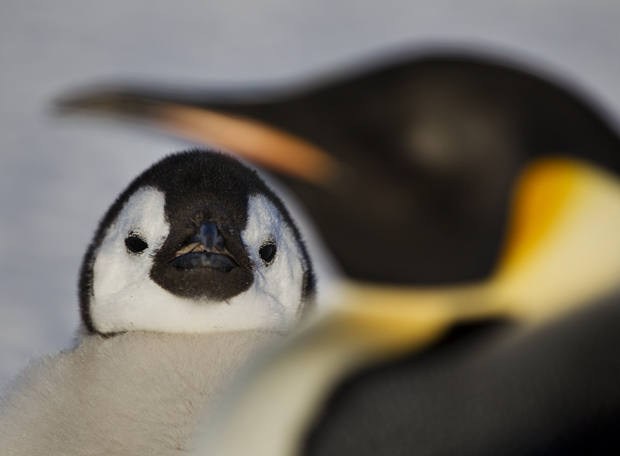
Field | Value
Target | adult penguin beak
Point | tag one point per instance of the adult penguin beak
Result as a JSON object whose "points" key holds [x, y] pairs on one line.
{"points": [[256, 141]]}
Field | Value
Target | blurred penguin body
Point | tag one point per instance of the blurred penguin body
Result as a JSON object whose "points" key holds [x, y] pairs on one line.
{"points": [[456, 192]]}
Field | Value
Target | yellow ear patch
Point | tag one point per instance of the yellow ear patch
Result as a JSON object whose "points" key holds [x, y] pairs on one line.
{"points": [[541, 193], [562, 250], [563, 246]]}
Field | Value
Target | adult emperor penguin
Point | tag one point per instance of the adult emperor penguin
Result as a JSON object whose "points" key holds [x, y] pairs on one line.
{"points": [[195, 268], [479, 203]]}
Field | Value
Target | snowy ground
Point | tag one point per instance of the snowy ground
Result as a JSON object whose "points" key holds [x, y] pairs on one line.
{"points": [[57, 177]]}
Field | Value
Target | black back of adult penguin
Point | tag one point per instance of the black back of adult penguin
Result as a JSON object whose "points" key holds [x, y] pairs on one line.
{"points": [[427, 150], [485, 390]]}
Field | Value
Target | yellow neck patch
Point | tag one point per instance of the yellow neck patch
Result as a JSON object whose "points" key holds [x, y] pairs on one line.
{"points": [[563, 247], [562, 250], [541, 193]]}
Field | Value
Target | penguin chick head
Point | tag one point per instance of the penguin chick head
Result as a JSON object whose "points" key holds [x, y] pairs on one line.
{"points": [[196, 243]]}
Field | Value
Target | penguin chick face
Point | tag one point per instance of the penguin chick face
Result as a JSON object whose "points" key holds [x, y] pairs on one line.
{"points": [[197, 243]]}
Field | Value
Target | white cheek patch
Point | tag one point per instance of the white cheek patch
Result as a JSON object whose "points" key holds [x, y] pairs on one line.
{"points": [[126, 298], [120, 279], [277, 287]]}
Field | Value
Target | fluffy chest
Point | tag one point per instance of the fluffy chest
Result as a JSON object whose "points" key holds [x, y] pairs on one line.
{"points": [[136, 393]]}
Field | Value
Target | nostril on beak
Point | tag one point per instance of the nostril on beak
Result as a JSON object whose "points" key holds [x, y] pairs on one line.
{"points": [[209, 236]]}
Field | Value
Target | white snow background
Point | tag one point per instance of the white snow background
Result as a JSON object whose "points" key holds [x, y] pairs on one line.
{"points": [[57, 176]]}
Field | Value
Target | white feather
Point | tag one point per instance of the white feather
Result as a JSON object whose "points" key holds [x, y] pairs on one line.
{"points": [[138, 393]]}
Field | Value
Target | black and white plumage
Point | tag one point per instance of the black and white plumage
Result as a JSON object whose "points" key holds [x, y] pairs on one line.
{"points": [[494, 186], [154, 286], [195, 268]]}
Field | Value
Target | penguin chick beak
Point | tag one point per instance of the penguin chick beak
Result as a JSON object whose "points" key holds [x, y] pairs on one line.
{"points": [[205, 249]]}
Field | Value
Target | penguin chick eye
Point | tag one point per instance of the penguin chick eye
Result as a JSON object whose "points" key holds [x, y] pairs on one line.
{"points": [[267, 252], [135, 244]]}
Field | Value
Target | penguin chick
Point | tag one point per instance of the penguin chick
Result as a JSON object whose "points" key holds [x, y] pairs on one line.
{"points": [[195, 268]]}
